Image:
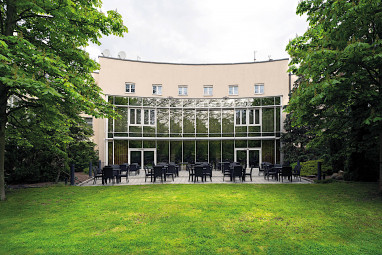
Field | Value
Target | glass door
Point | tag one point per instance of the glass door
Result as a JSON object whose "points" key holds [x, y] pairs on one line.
{"points": [[248, 157], [142, 156]]}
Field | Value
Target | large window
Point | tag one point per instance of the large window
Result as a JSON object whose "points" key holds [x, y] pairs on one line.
{"points": [[259, 88], [233, 90], [145, 117], [130, 87], [157, 89], [182, 89], [246, 117]]}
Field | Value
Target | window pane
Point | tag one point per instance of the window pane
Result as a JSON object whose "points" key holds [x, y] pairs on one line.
{"points": [[175, 122], [201, 151], [257, 116], [152, 117], [251, 117], [237, 117], [132, 116], [189, 122], [268, 151], [146, 117], [227, 153], [268, 120], [162, 122], [162, 151], [189, 151], [139, 117], [121, 123], [159, 90], [244, 117], [154, 89], [228, 122], [176, 151], [215, 152], [215, 123], [202, 122]]}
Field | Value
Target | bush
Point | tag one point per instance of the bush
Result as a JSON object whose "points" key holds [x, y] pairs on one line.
{"points": [[310, 167]]}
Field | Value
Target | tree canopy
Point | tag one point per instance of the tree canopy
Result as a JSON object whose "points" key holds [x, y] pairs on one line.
{"points": [[338, 61], [44, 67]]}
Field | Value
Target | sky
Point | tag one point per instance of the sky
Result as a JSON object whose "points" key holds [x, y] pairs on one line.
{"points": [[203, 31]]}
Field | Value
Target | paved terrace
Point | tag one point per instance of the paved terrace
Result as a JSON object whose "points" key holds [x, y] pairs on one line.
{"points": [[217, 177]]}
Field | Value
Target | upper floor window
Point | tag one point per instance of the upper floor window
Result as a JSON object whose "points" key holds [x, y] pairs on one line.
{"points": [[208, 90], [259, 88], [233, 90], [130, 87], [249, 117], [144, 117], [157, 89], [89, 121], [182, 90]]}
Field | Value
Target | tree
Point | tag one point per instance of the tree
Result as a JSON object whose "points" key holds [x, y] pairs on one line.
{"points": [[338, 61], [43, 64]]}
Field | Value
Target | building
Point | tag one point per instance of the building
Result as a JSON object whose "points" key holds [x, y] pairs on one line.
{"points": [[192, 112]]}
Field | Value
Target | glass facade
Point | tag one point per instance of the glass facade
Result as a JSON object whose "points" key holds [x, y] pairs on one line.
{"points": [[194, 130]]}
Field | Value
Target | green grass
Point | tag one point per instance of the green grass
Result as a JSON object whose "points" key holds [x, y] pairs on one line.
{"points": [[336, 218]]}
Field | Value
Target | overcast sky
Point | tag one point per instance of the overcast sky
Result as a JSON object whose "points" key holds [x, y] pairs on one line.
{"points": [[203, 31]]}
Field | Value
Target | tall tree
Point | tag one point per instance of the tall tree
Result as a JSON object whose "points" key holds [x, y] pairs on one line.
{"points": [[339, 60], [43, 63]]}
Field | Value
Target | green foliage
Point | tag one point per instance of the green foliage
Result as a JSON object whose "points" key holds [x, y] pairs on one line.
{"points": [[337, 218], [338, 61], [44, 67], [310, 167]]}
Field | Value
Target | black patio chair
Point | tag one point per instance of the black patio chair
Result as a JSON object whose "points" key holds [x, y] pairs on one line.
{"points": [[248, 174], [134, 167], [199, 172], [149, 173], [108, 174], [158, 172], [272, 171], [297, 172], [286, 171], [191, 173], [124, 172], [227, 172], [237, 172], [170, 171], [207, 171], [97, 174]]}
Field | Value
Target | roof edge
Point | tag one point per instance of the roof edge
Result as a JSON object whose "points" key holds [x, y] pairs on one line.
{"points": [[168, 63]]}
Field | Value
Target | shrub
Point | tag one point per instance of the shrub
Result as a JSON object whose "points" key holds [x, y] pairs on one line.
{"points": [[310, 167]]}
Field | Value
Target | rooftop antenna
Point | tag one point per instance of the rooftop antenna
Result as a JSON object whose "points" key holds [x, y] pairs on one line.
{"points": [[106, 53], [122, 55], [254, 56]]}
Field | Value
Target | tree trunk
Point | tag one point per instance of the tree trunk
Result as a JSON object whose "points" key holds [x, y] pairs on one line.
{"points": [[3, 121], [380, 163]]}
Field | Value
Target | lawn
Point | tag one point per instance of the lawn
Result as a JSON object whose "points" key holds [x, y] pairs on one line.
{"points": [[336, 218]]}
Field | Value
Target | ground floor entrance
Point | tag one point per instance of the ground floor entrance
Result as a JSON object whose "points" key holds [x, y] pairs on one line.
{"points": [[145, 152]]}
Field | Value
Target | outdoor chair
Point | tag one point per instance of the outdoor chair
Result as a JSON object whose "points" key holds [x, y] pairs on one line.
{"points": [[286, 171], [207, 171], [108, 174], [272, 171], [248, 174], [237, 172], [124, 172], [97, 174], [172, 168], [149, 173], [297, 171], [227, 172], [198, 171], [158, 173], [191, 173], [170, 171], [134, 167]]}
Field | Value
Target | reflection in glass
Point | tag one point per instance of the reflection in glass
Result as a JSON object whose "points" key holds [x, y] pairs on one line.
{"points": [[189, 102], [162, 122], [215, 152], [176, 102], [277, 100], [202, 122], [137, 101], [175, 122], [256, 101], [135, 131], [202, 151], [240, 143], [254, 143], [149, 131], [268, 101], [215, 123], [163, 102], [110, 152], [121, 100], [277, 151], [228, 102], [149, 101], [176, 151], [214, 102], [189, 151], [241, 131], [148, 144], [254, 131], [227, 153], [278, 112], [268, 151], [189, 122], [227, 125], [268, 120], [162, 151], [121, 123]]}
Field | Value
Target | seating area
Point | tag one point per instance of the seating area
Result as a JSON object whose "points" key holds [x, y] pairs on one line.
{"points": [[200, 172]]}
